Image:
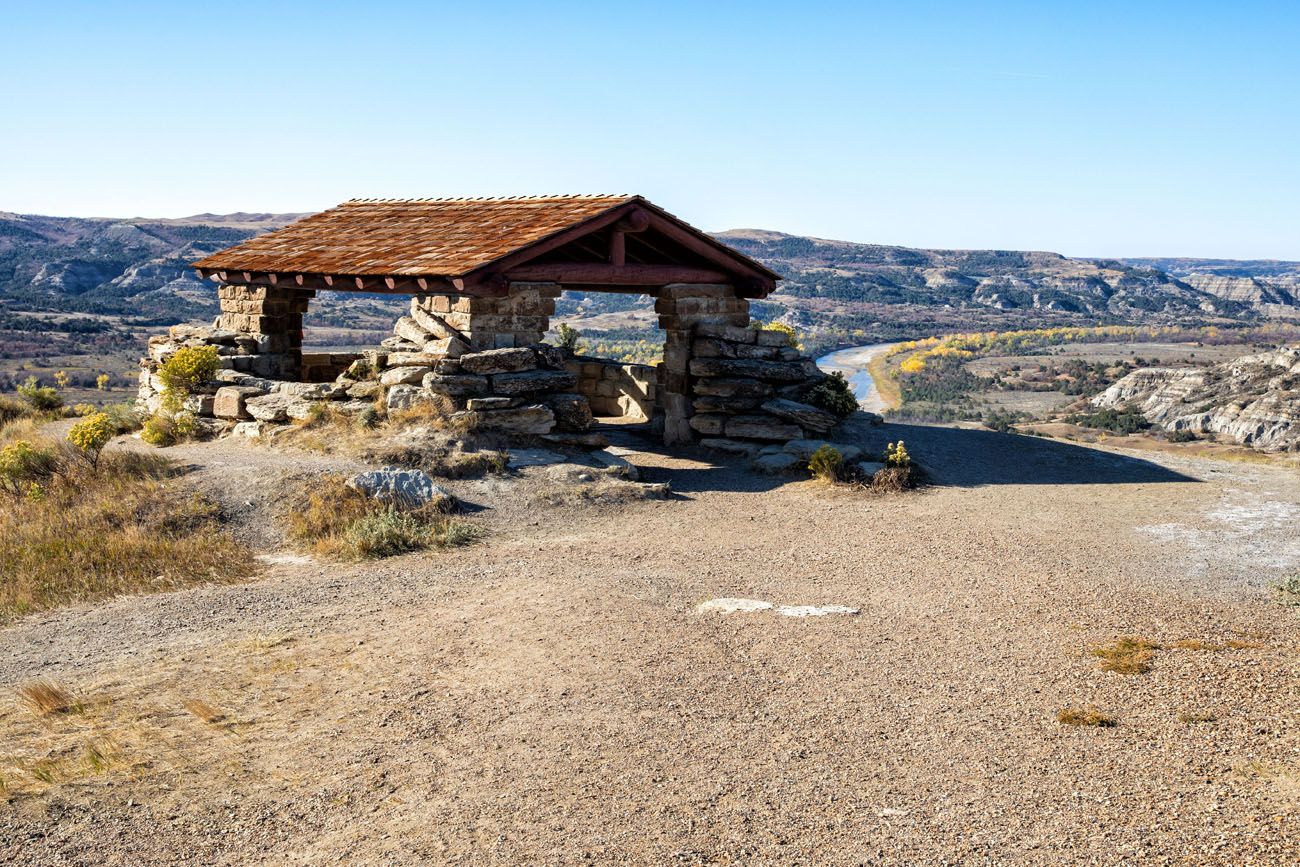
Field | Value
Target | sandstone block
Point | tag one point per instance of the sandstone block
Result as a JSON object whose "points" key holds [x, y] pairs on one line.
{"points": [[455, 384], [499, 361], [406, 396], [572, 411], [431, 322], [364, 390], [228, 402], [477, 403], [710, 403], [708, 424], [776, 371], [410, 330], [534, 419], [726, 386], [761, 427], [407, 375], [532, 381], [735, 447], [778, 463], [727, 332], [803, 414], [447, 347], [268, 407], [804, 449], [772, 337]]}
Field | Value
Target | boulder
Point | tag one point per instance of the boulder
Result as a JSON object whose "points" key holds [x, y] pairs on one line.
{"points": [[761, 427], [532, 419], [572, 411], [408, 375], [397, 486], [777, 463], [551, 357], [401, 344], [455, 385], [251, 429], [229, 401], [733, 387], [532, 381], [499, 360], [870, 468], [803, 414], [616, 465], [269, 407], [709, 424], [304, 390], [301, 409], [753, 368]]}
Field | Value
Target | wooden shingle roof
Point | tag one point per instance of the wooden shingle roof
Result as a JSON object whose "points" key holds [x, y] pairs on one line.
{"points": [[456, 240], [442, 237]]}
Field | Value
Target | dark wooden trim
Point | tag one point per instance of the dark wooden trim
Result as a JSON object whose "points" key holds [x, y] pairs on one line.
{"points": [[615, 275], [335, 282]]}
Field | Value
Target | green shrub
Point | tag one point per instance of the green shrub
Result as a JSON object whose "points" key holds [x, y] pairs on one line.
{"points": [[91, 434], [791, 335], [40, 398], [826, 463], [1000, 421], [23, 465], [12, 410], [188, 368], [568, 338], [833, 394], [1181, 436], [167, 428], [1123, 421], [896, 456]]}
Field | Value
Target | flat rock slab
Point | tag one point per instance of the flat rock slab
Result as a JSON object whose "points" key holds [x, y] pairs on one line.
{"points": [[616, 465], [533, 458], [780, 462]]}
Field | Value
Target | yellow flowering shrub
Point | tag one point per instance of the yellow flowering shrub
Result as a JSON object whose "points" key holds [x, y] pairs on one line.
{"points": [[91, 434]]}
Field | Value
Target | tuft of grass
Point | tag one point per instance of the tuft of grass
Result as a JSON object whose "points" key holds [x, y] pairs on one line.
{"points": [[47, 698], [1130, 654], [1197, 716], [204, 711], [334, 520], [1288, 590], [1085, 716], [97, 532]]}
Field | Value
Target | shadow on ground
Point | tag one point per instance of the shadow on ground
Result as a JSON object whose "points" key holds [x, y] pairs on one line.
{"points": [[955, 457]]}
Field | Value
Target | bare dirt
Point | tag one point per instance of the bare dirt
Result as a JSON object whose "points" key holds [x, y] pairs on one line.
{"points": [[551, 695]]}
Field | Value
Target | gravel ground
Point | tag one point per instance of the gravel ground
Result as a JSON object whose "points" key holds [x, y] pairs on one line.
{"points": [[551, 695]]}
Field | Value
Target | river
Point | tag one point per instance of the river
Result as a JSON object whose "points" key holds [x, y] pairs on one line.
{"points": [[852, 362]]}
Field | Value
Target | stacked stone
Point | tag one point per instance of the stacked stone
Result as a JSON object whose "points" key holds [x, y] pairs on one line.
{"points": [[268, 321], [615, 388], [748, 385]]}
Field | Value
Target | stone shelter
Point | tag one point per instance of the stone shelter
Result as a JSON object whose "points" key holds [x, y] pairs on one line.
{"points": [[483, 276]]}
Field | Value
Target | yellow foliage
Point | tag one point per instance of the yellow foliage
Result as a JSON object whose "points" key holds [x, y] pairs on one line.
{"points": [[92, 433], [896, 455]]}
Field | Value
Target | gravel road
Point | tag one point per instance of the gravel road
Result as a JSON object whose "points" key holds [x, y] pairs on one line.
{"points": [[552, 696]]}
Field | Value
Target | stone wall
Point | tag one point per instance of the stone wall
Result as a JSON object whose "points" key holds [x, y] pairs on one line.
{"points": [[721, 379], [614, 388]]}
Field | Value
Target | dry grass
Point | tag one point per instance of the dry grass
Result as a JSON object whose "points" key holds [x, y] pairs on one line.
{"points": [[1130, 654], [333, 520], [90, 534], [1197, 716], [204, 711], [47, 698], [1085, 716]]}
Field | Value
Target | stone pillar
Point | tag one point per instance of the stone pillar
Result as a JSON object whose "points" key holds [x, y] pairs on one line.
{"points": [[682, 306], [519, 318], [267, 321]]}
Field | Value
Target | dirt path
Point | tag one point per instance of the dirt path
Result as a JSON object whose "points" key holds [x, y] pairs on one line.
{"points": [[551, 695]]}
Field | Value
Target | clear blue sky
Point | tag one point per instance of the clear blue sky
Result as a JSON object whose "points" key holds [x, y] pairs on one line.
{"points": [[1097, 128]]}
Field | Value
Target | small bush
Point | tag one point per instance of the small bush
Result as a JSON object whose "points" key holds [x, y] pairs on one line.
{"points": [[188, 368], [833, 394], [102, 381], [23, 465], [1122, 421], [826, 463], [896, 456], [1181, 436], [1002, 422], [337, 521], [567, 338], [91, 434], [40, 398], [792, 336], [1130, 654], [1085, 716], [1288, 590], [12, 410]]}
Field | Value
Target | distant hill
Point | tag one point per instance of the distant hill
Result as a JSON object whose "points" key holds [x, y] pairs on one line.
{"points": [[136, 268]]}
